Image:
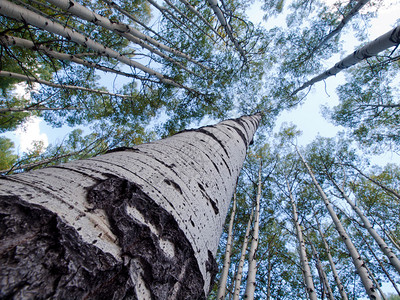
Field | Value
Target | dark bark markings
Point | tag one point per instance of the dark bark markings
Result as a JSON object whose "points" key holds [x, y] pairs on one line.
{"points": [[53, 260], [137, 241]]}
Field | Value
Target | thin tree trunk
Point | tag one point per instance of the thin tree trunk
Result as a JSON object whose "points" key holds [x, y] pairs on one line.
{"points": [[380, 263], [23, 15], [251, 274], [391, 191], [23, 43], [324, 278], [389, 39], [394, 261], [119, 28], [138, 223], [308, 280], [228, 250], [356, 257], [376, 283], [188, 19], [31, 79], [269, 279], [239, 273], [123, 30], [227, 27], [332, 264], [35, 108], [194, 10], [360, 4], [171, 17], [133, 18]]}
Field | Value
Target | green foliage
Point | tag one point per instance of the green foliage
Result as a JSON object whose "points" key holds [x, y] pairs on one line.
{"points": [[7, 157]]}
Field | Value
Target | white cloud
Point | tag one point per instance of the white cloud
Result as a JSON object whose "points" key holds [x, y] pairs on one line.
{"points": [[29, 132]]}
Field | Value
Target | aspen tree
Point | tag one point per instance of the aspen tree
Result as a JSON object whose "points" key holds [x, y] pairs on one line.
{"points": [[356, 257], [332, 263], [322, 274], [228, 29], [227, 260], [389, 39], [31, 79], [21, 14], [252, 270], [308, 280], [360, 4], [394, 261], [141, 222], [239, 272]]}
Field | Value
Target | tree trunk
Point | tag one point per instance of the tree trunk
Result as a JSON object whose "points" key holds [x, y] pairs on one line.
{"points": [[239, 273], [322, 274], [31, 79], [24, 15], [308, 280], [356, 257], [380, 263], [188, 19], [121, 29], [387, 189], [376, 283], [332, 264], [227, 27], [193, 10], [251, 274], [345, 20], [389, 39], [394, 261], [15, 41], [137, 223], [228, 250]]}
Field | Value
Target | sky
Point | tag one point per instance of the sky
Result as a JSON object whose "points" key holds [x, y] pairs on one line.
{"points": [[307, 117]]}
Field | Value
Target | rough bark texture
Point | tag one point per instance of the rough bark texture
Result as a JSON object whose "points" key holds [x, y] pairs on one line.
{"points": [[135, 223]]}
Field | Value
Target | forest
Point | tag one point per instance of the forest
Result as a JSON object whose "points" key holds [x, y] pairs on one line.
{"points": [[298, 220]]}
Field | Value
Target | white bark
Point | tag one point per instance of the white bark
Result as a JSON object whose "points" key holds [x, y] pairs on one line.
{"points": [[389, 39], [56, 85], [123, 30], [188, 19], [119, 28], [322, 273], [24, 15], [227, 27], [239, 273], [228, 250], [188, 178], [360, 4], [251, 274], [356, 257], [23, 43], [308, 280], [332, 264], [394, 261], [194, 10]]}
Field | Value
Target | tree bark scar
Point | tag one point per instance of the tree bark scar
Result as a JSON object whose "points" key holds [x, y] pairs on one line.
{"points": [[211, 267], [140, 235], [210, 134], [43, 258], [240, 133]]}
